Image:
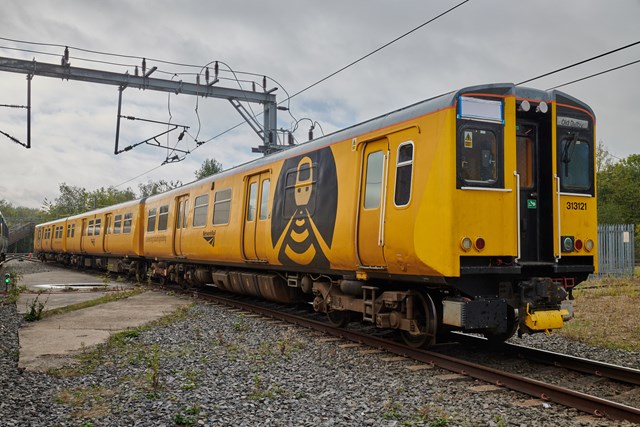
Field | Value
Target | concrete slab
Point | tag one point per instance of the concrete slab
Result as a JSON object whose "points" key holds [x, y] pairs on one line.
{"points": [[55, 299], [53, 342]]}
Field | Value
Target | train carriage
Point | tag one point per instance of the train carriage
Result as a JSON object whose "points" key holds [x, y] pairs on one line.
{"points": [[474, 210]]}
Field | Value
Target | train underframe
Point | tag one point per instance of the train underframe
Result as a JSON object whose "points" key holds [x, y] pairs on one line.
{"points": [[496, 305]]}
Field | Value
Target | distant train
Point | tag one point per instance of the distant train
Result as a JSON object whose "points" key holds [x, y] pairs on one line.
{"points": [[473, 211], [4, 238]]}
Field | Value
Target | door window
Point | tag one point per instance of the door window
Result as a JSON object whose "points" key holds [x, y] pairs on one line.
{"points": [[373, 182], [524, 154], [253, 201], [264, 200]]}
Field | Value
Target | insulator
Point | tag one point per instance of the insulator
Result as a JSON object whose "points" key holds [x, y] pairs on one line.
{"points": [[66, 53], [215, 69], [136, 72], [144, 66], [264, 82], [206, 75], [198, 79]]}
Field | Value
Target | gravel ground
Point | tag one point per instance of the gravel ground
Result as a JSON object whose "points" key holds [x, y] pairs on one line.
{"points": [[214, 366]]}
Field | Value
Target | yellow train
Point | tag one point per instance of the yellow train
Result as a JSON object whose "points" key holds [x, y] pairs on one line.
{"points": [[474, 211]]}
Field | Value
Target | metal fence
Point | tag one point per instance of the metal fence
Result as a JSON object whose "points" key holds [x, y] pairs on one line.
{"points": [[616, 249]]}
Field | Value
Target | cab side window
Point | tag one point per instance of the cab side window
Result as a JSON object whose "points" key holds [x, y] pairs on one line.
{"points": [[404, 173]]}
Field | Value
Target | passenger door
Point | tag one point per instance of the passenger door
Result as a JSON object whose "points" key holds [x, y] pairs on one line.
{"points": [[256, 216], [107, 233], [371, 204], [182, 211], [526, 154], [83, 235]]}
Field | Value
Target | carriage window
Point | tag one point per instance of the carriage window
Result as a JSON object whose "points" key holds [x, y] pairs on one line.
{"points": [[524, 158], [90, 228], [253, 201], [117, 224], [97, 227], [151, 221], [478, 153], [73, 230], [200, 211], [163, 217], [575, 164], [222, 207], [404, 172], [373, 184], [128, 217]]}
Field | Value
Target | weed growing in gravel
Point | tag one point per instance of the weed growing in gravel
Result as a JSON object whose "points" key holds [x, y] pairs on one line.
{"points": [[91, 402], [35, 308], [499, 421], [188, 417], [259, 392], [392, 411], [241, 325], [436, 416], [154, 369]]}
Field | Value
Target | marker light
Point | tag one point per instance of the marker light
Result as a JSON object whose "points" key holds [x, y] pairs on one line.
{"points": [[542, 108], [589, 245], [466, 244], [525, 106], [578, 244], [479, 244], [567, 244]]}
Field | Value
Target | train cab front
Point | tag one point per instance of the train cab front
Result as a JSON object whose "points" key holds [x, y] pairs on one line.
{"points": [[526, 189]]}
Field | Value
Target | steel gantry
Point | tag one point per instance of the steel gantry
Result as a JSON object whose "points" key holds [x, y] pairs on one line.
{"points": [[267, 130]]}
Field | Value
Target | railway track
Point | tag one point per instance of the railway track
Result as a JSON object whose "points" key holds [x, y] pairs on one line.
{"points": [[588, 403], [18, 257]]}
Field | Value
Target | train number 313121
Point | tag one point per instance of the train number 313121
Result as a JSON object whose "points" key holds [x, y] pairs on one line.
{"points": [[577, 206]]}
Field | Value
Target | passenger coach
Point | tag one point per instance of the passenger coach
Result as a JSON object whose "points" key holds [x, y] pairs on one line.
{"points": [[474, 210]]}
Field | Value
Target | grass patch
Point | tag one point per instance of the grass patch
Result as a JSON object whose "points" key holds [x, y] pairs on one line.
{"points": [[110, 297], [606, 314]]}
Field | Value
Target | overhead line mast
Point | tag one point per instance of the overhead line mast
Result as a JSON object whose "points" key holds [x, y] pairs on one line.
{"points": [[267, 131]]}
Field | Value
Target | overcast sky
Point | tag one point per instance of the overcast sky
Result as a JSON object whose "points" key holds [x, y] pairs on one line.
{"points": [[295, 43]]}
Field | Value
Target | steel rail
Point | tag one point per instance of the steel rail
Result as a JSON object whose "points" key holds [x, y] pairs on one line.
{"points": [[590, 404], [593, 367]]}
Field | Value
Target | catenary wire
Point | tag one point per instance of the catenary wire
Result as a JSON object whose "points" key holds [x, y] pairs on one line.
{"points": [[595, 75], [578, 63]]}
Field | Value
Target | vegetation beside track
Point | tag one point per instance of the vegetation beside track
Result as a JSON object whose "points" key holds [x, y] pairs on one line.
{"points": [[606, 314]]}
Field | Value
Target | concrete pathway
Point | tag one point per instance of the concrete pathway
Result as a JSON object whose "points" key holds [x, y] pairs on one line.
{"points": [[52, 342]]}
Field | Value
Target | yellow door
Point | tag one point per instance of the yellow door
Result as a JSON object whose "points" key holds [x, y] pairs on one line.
{"points": [[371, 211], [83, 235], [182, 210], [257, 216]]}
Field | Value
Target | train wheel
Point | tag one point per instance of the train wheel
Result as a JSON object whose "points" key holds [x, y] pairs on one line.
{"points": [[339, 318], [424, 312]]}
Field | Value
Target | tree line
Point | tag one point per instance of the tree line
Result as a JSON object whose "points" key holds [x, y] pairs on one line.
{"points": [[74, 200]]}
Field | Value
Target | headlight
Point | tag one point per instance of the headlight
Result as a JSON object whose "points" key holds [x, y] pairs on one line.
{"points": [[466, 244], [588, 245]]}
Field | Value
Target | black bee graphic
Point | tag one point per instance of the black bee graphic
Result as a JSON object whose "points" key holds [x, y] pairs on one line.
{"points": [[305, 209]]}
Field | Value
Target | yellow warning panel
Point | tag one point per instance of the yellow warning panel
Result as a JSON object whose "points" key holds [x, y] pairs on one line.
{"points": [[468, 139]]}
